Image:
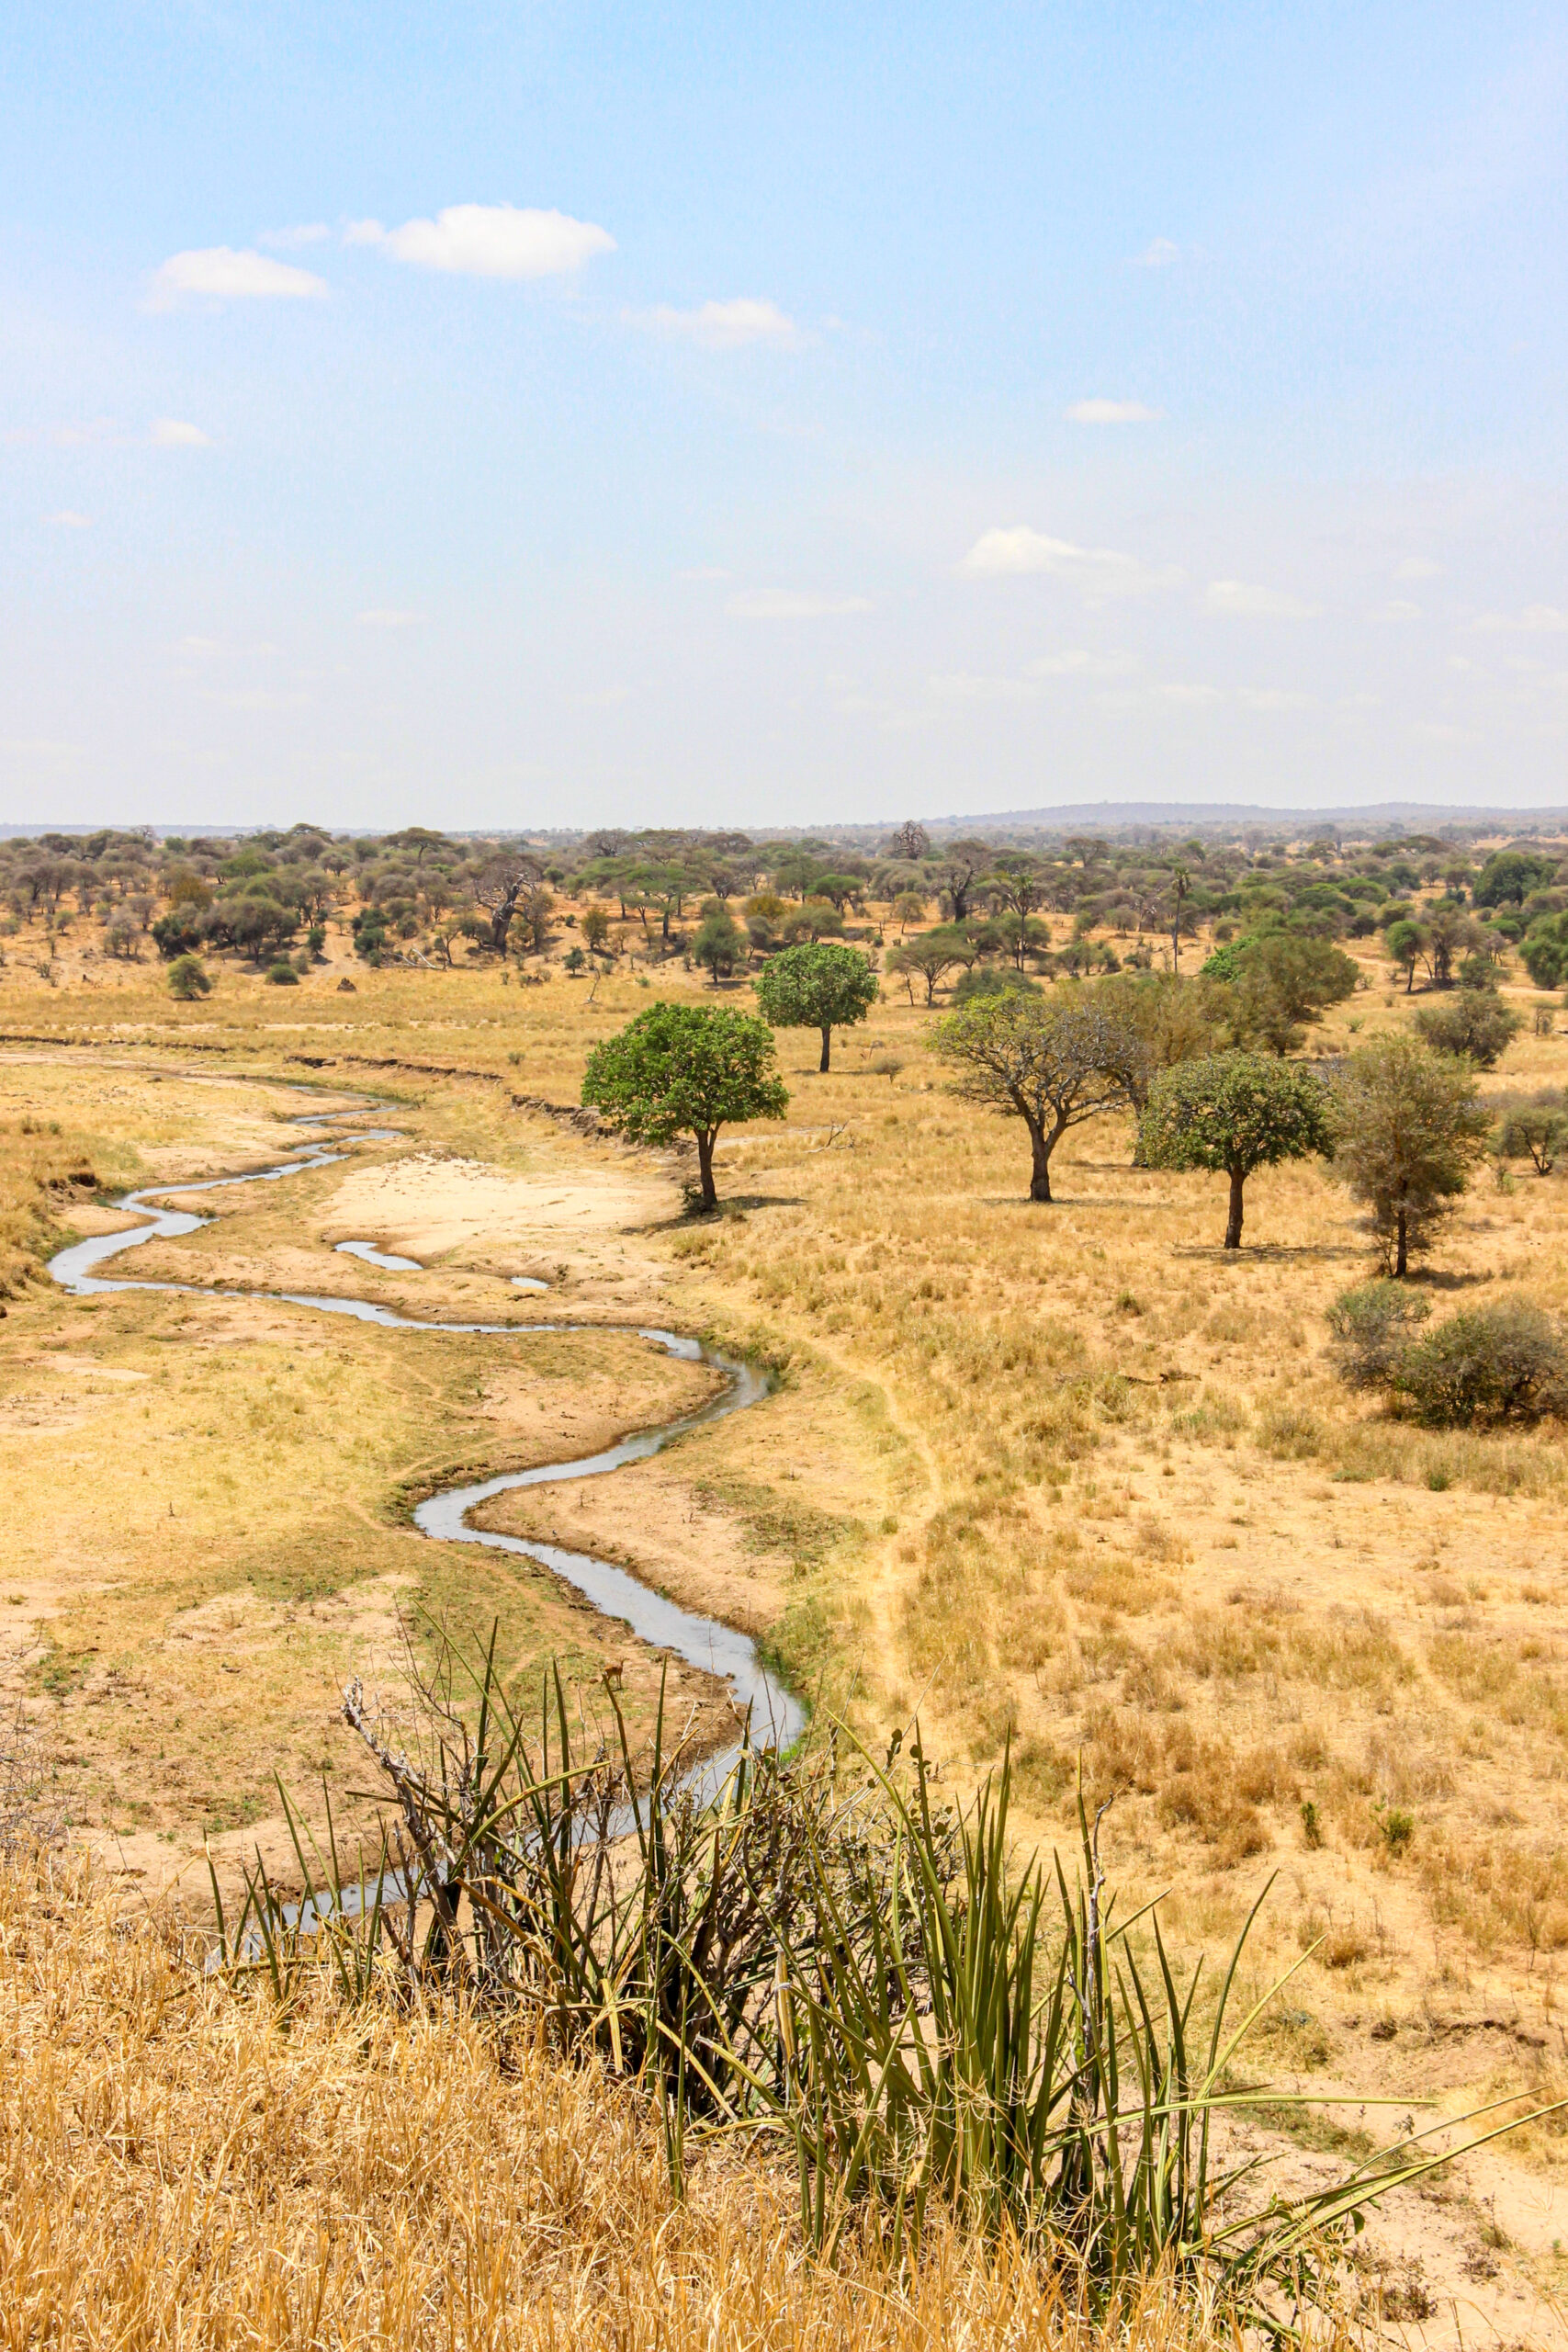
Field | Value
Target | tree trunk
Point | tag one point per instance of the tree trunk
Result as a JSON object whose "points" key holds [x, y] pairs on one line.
{"points": [[826, 1045], [1410, 981], [704, 1169], [1040, 1172], [1232, 1225], [1175, 950], [1401, 1246]]}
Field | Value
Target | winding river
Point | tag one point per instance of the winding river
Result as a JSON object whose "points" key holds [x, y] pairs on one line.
{"points": [[706, 1643]]}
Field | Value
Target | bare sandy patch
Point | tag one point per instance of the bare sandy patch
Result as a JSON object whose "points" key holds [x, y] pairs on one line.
{"points": [[429, 1205]]}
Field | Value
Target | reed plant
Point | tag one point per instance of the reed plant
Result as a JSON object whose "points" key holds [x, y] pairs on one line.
{"points": [[814, 1953]]}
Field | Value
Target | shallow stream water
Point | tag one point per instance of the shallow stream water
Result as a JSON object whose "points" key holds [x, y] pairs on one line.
{"points": [[775, 1714]]}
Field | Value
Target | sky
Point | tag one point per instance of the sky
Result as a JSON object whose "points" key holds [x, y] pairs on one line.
{"points": [[564, 416]]}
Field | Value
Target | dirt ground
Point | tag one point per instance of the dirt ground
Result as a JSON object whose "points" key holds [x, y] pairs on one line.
{"points": [[1063, 1475]]}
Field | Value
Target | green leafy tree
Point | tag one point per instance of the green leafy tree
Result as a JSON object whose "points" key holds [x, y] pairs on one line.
{"points": [[1232, 1112], [1408, 1130], [1406, 943], [820, 987], [1284, 979], [188, 978], [720, 942], [685, 1070], [1052, 1061], [1508, 874], [931, 955], [595, 929], [1536, 1133]]}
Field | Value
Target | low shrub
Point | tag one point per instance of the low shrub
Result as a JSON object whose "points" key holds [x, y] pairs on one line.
{"points": [[1371, 1328], [283, 976], [1535, 1132], [1487, 1363], [188, 978], [1473, 1022]]}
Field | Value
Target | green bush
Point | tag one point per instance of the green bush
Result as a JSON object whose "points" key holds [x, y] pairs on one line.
{"points": [[283, 976], [1371, 1328], [992, 979], [1536, 1132], [1473, 1022], [1487, 1363], [188, 978]]}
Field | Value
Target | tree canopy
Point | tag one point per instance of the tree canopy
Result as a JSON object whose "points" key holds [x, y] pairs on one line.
{"points": [[1052, 1061], [1232, 1112], [1409, 1129], [685, 1068], [816, 986]]}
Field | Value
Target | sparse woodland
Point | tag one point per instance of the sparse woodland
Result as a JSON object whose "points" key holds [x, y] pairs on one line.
{"points": [[1242, 1514]]}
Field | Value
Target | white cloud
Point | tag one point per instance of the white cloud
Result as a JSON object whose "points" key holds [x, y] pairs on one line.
{"points": [[701, 571], [1398, 608], [1273, 698], [721, 326], [1416, 567], [1158, 254], [793, 604], [1112, 412], [1243, 600], [963, 688], [287, 241], [1194, 698], [69, 520], [1536, 620], [1098, 572], [490, 240], [174, 432], [220, 274], [386, 616]]}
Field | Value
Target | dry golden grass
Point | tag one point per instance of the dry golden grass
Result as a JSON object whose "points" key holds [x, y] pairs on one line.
{"points": [[181, 2170], [1067, 1473]]}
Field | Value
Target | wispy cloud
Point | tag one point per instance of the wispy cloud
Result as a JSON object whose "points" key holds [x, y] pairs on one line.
{"points": [[1244, 600], [794, 605], [701, 571], [1098, 572], [67, 519], [721, 326], [287, 241], [218, 273], [1536, 620], [1157, 255], [174, 432], [1398, 608], [386, 616], [1112, 412], [490, 240], [1416, 567]]}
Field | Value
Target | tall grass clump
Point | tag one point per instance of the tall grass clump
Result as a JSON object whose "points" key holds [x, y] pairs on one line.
{"points": [[813, 1955]]}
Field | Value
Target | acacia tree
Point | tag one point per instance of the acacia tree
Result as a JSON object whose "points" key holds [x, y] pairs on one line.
{"points": [[931, 954], [1232, 1112], [816, 986], [1052, 1061], [685, 1070], [1409, 1129]]}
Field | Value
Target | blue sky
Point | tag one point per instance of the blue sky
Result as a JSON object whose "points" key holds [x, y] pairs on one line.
{"points": [[546, 416]]}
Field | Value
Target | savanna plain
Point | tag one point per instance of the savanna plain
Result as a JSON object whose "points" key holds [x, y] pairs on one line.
{"points": [[1067, 1481]]}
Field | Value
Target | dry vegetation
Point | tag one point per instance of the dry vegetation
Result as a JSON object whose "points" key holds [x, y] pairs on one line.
{"points": [[1065, 1473]]}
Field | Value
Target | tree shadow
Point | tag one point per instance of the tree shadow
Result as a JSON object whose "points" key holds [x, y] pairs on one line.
{"points": [[1268, 1252]]}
